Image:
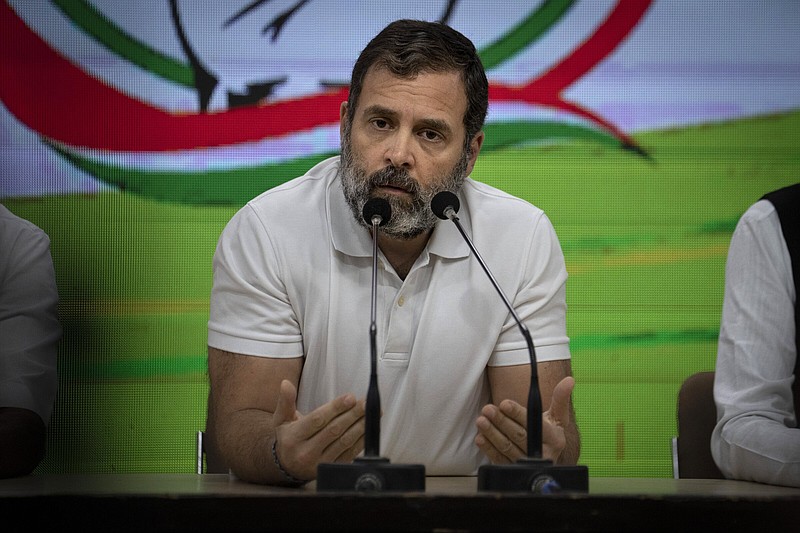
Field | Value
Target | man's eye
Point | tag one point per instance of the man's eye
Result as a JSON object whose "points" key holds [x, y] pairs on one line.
{"points": [[380, 123], [431, 135]]}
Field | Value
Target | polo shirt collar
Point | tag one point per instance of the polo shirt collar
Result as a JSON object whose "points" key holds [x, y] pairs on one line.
{"points": [[447, 241], [353, 239], [347, 236]]}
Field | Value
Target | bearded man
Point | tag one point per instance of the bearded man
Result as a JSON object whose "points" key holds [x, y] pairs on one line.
{"points": [[289, 350]]}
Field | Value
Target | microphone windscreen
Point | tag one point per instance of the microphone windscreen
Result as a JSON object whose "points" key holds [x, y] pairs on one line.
{"points": [[442, 201], [379, 207]]}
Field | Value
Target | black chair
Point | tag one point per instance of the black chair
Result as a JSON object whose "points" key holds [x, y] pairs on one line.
{"points": [[697, 416]]}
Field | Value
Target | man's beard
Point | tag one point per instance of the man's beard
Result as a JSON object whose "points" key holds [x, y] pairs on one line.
{"points": [[410, 217]]}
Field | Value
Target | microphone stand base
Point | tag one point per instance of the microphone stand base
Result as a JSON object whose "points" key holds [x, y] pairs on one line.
{"points": [[370, 474], [539, 476]]}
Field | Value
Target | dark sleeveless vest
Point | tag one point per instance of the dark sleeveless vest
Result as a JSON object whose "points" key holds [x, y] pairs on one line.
{"points": [[787, 204]]}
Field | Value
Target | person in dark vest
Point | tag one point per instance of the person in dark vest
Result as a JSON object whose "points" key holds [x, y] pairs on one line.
{"points": [[757, 437]]}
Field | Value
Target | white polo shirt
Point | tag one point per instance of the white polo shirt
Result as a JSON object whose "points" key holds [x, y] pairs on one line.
{"points": [[293, 278]]}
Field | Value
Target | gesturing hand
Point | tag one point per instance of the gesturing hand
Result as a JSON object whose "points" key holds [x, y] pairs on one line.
{"points": [[333, 432], [502, 430]]}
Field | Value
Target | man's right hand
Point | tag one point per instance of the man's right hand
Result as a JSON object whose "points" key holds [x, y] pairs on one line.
{"points": [[333, 432]]}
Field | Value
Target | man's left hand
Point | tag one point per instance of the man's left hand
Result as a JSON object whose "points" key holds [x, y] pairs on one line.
{"points": [[502, 429]]}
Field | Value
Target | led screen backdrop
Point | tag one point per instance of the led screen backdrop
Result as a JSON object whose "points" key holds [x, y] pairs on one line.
{"points": [[132, 131]]}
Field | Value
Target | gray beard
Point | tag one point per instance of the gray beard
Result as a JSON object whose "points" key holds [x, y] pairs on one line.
{"points": [[409, 218]]}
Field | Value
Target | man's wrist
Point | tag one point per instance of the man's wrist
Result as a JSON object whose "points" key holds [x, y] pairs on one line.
{"points": [[288, 478]]}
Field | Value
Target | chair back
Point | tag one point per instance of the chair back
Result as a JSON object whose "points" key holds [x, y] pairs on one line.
{"points": [[696, 416]]}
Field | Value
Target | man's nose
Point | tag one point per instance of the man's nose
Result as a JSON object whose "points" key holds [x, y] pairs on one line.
{"points": [[399, 152]]}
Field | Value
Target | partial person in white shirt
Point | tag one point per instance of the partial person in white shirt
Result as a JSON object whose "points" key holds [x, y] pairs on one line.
{"points": [[29, 335], [757, 437]]}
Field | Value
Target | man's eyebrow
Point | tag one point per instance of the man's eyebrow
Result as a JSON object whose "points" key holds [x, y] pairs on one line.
{"points": [[436, 125], [380, 111], [428, 123]]}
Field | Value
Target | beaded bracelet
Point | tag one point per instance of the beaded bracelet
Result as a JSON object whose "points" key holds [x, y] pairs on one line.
{"points": [[290, 479]]}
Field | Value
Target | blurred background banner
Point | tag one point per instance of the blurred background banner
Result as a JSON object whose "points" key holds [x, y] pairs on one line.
{"points": [[132, 131]]}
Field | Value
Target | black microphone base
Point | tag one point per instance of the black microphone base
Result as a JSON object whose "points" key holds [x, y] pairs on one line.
{"points": [[370, 474], [539, 476]]}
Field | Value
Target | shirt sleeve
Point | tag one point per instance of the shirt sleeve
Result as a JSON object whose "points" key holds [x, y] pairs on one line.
{"points": [[250, 312], [540, 303], [756, 437]]}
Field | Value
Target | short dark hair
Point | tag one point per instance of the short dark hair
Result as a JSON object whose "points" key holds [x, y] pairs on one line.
{"points": [[407, 48]]}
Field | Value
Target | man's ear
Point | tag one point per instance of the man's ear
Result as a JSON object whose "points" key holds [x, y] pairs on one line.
{"points": [[342, 117], [474, 149]]}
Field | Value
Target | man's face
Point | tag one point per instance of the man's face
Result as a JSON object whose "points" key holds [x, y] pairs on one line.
{"points": [[406, 143]]}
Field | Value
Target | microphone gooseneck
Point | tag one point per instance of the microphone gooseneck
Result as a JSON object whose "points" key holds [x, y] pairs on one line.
{"points": [[371, 472], [445, 205], [376, 212]]}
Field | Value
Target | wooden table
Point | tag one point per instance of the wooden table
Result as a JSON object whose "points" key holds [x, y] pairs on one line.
{"points": [[218, 502]]}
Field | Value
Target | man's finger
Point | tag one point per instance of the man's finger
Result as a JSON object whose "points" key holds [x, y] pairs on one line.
{"points": [[503, 439], [511, 419], [319, 421], [515, 412], [286, 408], [559, 405], [347, 455]]}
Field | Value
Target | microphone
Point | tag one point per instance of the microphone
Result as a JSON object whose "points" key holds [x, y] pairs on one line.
{"points": [[445, 205], [376, 207], [531, 473], [376, 212], [371, 472]]}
